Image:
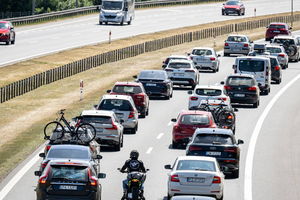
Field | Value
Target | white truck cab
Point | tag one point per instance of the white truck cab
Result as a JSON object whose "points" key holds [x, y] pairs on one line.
{"points": [[259, 67]]}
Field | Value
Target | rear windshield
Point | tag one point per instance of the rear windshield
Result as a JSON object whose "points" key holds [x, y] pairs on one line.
{"points": [[200, 165], [274, 62], [208, 92], [127, 89], [178, 65], [3, 25], [72, 173], [232, 3], [274, 49], [277, 26], [173, 58], [213, 139], [97, 119], [158, 75], [194, 119], [117, 104], [68, 153], [236, 39], [237, 81], [202, 52], [284, 41], [251, 66]]}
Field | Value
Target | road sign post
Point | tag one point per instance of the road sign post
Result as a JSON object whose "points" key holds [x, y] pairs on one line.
{"points": [[81, 90]]}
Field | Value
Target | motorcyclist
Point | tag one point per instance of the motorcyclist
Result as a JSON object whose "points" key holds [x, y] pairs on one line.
{"points": [[132, 165]]}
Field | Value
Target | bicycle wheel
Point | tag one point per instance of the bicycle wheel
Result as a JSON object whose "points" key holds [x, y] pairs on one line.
{"points": [[226, 118], [85, 132], [53, 130]]}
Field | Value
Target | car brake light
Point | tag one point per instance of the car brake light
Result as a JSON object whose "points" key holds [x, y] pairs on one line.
{"points": [[169, 70], [281, 55], [267, 73], [194, 148], [216, 179], [193, 98], [140, 96], [177, 128], [174, 178], [230, 149], [93, 180], [189, 70], [212, 58], [114, 127], [277, 68], [222, 99], [246, 45], [47, 147], [226, 44], [227, 87], [282, 29], [131, 114], [252, 88], [43, 180]]}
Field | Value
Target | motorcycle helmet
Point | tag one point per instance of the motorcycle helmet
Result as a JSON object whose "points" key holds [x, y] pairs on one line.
{"points": [[134, 154]]}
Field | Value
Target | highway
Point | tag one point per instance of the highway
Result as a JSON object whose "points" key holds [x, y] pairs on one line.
{"points": [[276, 163], [37, 40]]}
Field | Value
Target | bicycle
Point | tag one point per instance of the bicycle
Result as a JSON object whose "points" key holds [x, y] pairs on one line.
{"points": [[82, 131]]}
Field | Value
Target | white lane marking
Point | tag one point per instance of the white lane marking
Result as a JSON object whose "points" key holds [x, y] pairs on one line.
{"points": [[159, 136], [149, 150], [170, 123], [18, 176], [253, 140]]}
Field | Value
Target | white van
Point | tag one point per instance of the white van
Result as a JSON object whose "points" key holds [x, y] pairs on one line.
{"points": [[117, 11], [259, 67]]}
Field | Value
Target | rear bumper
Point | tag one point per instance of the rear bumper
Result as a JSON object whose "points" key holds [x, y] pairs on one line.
{"points": [[244, 51], [249, 98], [211, 65], [108, 140], [130, 123], [183, 81], [44, 196]]}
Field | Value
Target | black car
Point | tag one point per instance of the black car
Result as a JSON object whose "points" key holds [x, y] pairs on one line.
{"points": [[276, 72], [156, 83], [218, 143], [68, 179], [242, 88]]}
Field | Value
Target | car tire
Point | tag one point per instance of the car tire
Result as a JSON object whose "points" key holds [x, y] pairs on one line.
{"points": [[118, 146], [223, 13], [122, 22], [175, 145], [106, 23], [129, 22], [235, 174], [169, 197], [255, 105], [239, 13], [133, 131], [214, 70], [8, 42], [147, 112], [221, 198], [100, 23], [14, 41]]}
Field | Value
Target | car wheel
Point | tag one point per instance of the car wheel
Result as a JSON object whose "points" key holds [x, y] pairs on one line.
{"points": [[8, 42], [106, 23], [122, 22], [239, 13], [14, 41], [223, 13], [118, 146], [129, 22], [175, 145], [122, 142], [133, 131], [100, 23], [226, 54], [169, 197], [221, 198], [255, 105], [235, 174], [143, 115]]}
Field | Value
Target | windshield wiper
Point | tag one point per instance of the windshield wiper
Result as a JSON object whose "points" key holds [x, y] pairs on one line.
{"points": [[214, 142]]}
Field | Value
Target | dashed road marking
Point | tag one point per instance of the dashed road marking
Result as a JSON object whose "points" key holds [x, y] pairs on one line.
{"points": [[160, 136], [149, 150]]}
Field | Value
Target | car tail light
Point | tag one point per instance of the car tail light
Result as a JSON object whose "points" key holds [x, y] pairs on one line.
{"points": [[194, 148], [230, 161], [140, 97], [174, 178], [93, 180], [282, 29], [230, 149], [252, 88], [222, 99], [212, 58], [177, 128], [193, 98], [43, 179], [216, 179], [47, 148], [44, 164], [281, 55], [227, 87], [169, 70], [246, 45], [131, 114], [114, 127], [267, 73], [277, 68], [189, 70], [226, 44]]}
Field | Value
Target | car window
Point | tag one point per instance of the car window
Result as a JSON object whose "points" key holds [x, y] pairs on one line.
{"points": [[201, 52], [236, 39], [232, 3], [112, 5], [273, 49], [117, 104], [237, 81], [200, 165], [178, 65], [251, 65], [274, 62], [157, 75], [127, 89], [68, 153], [97, 119], [73, 173], [282, 41], [194, 120], [208, 92], [277, 26], [213, 139], [3, 25]]}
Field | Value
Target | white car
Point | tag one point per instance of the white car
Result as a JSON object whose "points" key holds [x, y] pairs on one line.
{"points": [[109, 129], [207, 92], [276, 50], [205, 58], [174, 57], [192, 198], [195, 175], [183, 72], [124, 108]]}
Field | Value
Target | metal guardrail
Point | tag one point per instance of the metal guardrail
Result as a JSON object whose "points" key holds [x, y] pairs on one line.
{"points": [[91, 9]]}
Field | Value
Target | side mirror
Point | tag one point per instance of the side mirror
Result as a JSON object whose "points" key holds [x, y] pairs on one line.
{"points": [[240, 141], [259, 84], [188, 54], [222, 82], [290, 28], [168, 167], [42, 155], [235, 109], [267, 26], [108, 91], [95, 106], [101, 175], [223, 4], [218, 55], [134, 76], [38, 173], [173, 120], [251, 42], [190, 92], [234, 66], [99, 157], [147, 170]]}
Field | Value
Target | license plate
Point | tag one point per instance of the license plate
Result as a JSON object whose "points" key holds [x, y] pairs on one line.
{"points": [[129, 195], [150, 84], [276, 31], [178, 74], [239, 95], [236, 49], [119, 115], [195, 180], [213, 153], [67, 187], [200, 59]]}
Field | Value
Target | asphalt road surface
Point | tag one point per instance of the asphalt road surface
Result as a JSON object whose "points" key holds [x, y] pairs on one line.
{"points": [[37, 40], [272, 172]]}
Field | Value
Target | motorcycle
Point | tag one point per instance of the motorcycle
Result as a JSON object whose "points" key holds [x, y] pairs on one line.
{"points": [[134, 187]]}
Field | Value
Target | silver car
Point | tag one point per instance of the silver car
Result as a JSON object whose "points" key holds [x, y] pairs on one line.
{"points": [[205, 58], [276, 50], [237, 44], [290, 43], [109, 130], [195, 175], [183, 72], [124, 108], [174, 57]]}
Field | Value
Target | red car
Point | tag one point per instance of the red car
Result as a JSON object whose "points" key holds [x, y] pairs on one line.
{"points": [[277, 28], [7, 33], [137, 92], [233, 7], [186, 124]]}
